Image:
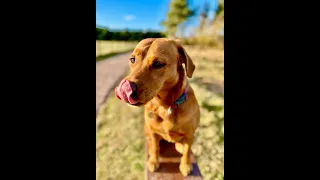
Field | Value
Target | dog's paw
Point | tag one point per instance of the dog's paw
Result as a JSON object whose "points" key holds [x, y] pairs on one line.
{"points": [[179, 147], [185, 169], [153, 165]]}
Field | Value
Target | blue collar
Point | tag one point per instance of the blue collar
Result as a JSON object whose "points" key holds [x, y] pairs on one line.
{"points": [[180, 100]]}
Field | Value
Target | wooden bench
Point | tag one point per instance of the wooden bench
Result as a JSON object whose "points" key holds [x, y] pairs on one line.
{"points": [[169, 165]]}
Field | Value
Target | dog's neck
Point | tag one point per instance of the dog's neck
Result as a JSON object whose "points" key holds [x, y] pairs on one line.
{"points": [[167, 96]]}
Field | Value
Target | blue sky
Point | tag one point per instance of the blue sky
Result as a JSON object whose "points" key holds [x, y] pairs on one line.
{"points": [[138, 14]]}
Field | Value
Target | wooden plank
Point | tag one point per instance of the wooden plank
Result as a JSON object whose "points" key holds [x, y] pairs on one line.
{"points": [[169, 165]]}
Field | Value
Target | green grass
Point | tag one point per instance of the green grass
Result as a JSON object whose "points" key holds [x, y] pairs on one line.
{"points": [[105, 49], [120, 141], [120, 137], [111, 54]]}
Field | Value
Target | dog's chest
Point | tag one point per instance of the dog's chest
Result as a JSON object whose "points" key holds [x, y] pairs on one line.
{"points": [[164, 124]]}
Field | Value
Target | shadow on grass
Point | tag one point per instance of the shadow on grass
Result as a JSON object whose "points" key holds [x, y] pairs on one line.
{"points": [[213, 87], [211, 107], [99, 58]]}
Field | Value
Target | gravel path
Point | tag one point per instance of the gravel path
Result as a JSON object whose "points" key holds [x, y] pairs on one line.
{"points": [[108, 73]]}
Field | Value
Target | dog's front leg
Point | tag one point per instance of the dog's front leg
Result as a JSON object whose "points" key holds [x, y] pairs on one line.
{"points": [[185, 163], [153, 161]]}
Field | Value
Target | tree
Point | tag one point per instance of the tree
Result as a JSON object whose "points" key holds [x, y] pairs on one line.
{"points": [[204, 15], [124, 35], [220, 10], [218, 24], [177, 14], [218, 21], [103, 34]]}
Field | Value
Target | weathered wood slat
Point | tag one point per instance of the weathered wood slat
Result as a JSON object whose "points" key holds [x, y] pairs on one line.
{"points": [[169, 165]]}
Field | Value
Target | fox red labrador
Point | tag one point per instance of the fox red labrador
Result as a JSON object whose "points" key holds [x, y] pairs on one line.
{"points": [[158, 81]]}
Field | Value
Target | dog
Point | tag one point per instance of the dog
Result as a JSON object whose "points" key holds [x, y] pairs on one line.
{"points": [[158, 81]]}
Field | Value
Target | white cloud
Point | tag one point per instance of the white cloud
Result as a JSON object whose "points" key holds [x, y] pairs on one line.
{"points": [[129, 17]]}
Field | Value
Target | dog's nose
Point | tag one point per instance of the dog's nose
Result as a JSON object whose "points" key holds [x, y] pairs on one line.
{"points": [[133, 86]]}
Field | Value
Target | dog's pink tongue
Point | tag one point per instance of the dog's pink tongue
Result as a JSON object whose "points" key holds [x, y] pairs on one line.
{"points": [[124, 92]]}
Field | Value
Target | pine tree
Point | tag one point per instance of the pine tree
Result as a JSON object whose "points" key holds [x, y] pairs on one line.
{"points": [[177, 14], [204, 15]]}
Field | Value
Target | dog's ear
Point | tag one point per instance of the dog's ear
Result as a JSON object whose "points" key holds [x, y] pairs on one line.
{"points": [[185, 58]]}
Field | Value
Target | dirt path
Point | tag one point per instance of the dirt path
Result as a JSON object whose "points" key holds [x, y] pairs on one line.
{"points": [[109, 72]]}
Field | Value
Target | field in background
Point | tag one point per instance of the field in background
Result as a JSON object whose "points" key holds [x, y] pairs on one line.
{"points": [[105, 49], [120, 137]]}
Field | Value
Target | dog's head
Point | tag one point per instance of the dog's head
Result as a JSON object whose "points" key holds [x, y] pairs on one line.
{"points": [[155, 64]]}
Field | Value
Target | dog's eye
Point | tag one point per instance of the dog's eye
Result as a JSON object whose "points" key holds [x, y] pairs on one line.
{"points": [[158, 64], [132, 60]]}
